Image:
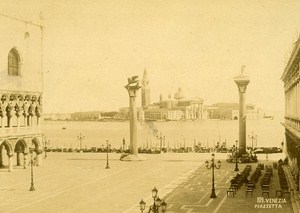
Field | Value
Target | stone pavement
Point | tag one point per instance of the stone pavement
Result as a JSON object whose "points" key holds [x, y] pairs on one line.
{"points": [[73, 182], [79, 183], [193, 195]]}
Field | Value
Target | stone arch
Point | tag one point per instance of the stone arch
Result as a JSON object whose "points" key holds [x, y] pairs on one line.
{"points": [[21, 149], [5, 145], [37, 144], [37, 150], [21, 146]]}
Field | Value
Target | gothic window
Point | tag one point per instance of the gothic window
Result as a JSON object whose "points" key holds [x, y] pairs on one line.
{"points": [[13, 62]]}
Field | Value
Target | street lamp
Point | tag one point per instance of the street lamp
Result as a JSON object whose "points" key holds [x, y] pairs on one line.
{"points": [[213, 166], [160, 139], [31, 163], [282, 143], [80, 138], [252, 138], [45, 148], [236, 162], [107, 165], [123, 144], [157, 206]]}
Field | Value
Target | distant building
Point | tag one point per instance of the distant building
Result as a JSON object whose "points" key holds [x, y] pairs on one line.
{"points": [[291, 79], [21, 89], [57, 116], [86, 116], [163, 114], [229, 111], [250, 114], [178, 108], [124, 113]]}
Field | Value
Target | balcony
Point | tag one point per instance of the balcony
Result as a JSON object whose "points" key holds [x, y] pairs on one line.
{"points": [[20, 131], [293, 121]]}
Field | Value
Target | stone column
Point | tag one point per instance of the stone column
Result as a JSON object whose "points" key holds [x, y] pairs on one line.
{"points": [[10, 162], [132, 88], [1, 158], [18, 158], [242, 82]]}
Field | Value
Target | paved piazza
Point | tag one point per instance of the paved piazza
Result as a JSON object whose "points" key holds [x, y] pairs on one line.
{"points": [[74, 182]]}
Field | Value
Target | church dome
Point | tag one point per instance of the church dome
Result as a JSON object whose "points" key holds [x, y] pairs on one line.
{"points": [[179, 94]]}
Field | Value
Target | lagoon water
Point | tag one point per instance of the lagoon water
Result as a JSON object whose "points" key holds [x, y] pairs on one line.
{"points": [[208, 132]]}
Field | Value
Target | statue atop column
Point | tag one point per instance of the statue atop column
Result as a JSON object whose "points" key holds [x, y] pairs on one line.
{"points": [[132, 87], [242, 81]]}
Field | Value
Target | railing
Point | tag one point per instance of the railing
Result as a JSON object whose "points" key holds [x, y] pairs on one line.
{"points": [[15, 131], [293, 121]]}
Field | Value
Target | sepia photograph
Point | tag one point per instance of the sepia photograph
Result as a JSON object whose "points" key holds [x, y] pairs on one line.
{"points": [[149, 106]]}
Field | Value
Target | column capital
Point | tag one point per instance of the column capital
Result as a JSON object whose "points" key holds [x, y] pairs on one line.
{"points": [[132, 90]]}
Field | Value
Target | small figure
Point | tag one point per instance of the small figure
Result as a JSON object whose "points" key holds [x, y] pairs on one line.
{"points": [[242, 70]]}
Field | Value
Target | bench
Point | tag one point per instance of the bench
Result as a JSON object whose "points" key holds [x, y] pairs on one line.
{"points": [[230, 191], [250, 185], [235, 185], [265, 192], [265, 187], [249, 191], [233, 188]]}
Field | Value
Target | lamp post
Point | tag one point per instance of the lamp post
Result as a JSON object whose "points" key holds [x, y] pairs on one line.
{"points": [[157, 206], [213, 166], [45, 148], [123, 144], [160, 141], [107, 165], [80, 138], [31, 163], [252, 138], [236, 149], [282, 143]]}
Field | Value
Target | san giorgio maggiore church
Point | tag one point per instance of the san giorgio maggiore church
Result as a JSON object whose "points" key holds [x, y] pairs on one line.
{"points": [[170, 108], [21, 80]]}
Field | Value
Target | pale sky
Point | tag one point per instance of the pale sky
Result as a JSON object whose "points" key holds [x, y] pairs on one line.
{"points": [[91, 48]]}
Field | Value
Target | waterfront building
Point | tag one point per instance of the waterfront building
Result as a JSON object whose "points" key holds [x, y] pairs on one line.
{"points": [[230, 111], [250, 114], [21, 80], [124, 113], [57, 116], [86, 116], [163, 114], [291, 78], [178, 108]]}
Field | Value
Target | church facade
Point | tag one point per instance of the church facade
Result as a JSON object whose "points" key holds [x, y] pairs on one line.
{"points": [[173, 109], [21, 88]]}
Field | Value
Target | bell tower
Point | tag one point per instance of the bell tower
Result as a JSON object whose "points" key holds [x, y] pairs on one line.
{"points": [[145, 90]]}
